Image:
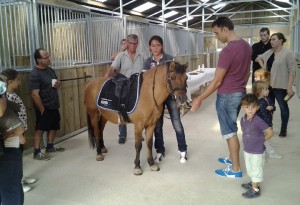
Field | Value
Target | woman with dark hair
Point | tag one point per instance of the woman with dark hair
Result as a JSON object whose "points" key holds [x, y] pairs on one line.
{"points": [[13, 84], [281, 63], [158, 57], [11, 168]]}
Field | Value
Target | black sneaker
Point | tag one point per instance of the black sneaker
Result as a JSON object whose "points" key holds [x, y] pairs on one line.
{"points": [[248, 186], [282, 133], [55, 149], [251, 193], [122, 140]]}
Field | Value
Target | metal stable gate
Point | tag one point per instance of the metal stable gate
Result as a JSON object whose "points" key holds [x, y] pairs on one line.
{"points": [[75, 36]]}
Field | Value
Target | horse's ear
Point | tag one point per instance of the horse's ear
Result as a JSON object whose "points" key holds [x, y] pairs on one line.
{"points": [[172, 65]]}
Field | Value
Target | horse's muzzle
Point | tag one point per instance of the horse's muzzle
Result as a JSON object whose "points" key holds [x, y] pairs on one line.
{"points": [[180, 99]]}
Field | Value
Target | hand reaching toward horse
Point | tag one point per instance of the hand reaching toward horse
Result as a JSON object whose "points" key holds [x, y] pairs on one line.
{"points": [[196, 103]]}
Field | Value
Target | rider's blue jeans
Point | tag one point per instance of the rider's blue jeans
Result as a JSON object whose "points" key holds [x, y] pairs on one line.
{"points": [[123, 131], [177, 125]]}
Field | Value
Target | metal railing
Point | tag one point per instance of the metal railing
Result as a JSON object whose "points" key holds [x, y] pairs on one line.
{"points": [[74, 37]]}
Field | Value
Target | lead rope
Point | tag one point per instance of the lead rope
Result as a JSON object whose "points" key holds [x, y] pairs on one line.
{"points": [[186, 107], [153, 88]]}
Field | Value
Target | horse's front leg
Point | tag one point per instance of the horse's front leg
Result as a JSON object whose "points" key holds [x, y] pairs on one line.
{"points": [[137, 169], [138, 147], [149, 141]]}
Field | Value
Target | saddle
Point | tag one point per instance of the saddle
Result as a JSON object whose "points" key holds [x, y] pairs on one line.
{"points": [[122, 85], [120, 94]]}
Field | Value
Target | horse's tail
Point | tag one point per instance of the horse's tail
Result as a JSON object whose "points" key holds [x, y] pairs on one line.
{"points": [[92, 138]]}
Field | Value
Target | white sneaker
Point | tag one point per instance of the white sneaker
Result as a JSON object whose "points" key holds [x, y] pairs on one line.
{"points": [[26, 188], [275, 156], [158, 157], [183, 157], [27, 180]]}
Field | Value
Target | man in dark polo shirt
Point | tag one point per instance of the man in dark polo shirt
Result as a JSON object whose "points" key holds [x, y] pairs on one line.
{"points": [[260, 47], [43, 85]]}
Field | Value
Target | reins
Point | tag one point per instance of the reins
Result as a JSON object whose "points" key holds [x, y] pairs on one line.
{"points": [[169, 89], [153, 88]]}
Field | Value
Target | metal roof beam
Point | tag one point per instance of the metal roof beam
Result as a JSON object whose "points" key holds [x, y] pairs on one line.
{"points": [[244, 6], [275, 5], [262, 17], [280, 16], [160, 10], [229, 13], [213, 3], [215, 13], [124, 5]]}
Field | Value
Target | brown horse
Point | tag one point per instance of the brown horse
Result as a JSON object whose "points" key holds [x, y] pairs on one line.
{"points": [[158, 83]]}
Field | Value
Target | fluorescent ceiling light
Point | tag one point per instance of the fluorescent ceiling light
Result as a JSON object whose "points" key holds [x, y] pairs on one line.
{"points": [[185, 19], [204, 1], [285, 1], [101, 0], [171, 13], [144, 7], [219, 5]]}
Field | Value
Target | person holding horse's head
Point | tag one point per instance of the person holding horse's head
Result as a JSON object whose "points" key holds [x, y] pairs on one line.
{"points": [[127, 63], [232, 73], [158, 56]]}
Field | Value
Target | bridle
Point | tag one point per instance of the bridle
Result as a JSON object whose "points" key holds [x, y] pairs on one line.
{"points": [[169, 88], [172, 90]]}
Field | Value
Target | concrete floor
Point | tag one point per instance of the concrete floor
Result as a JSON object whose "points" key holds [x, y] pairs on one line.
{"points": [[76, 178]]}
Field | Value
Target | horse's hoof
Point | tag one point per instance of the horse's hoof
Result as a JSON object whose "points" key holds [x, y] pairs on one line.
{"points": [[154, 167], [100, 157], [137, 171], [103, 150]]}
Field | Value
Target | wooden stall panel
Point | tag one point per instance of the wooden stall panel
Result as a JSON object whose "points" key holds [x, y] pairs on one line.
{"points": [[69, 101], [81, 85]]}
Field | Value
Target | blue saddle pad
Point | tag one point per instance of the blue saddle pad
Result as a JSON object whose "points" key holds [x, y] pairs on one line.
{"points": [[108, 101]]}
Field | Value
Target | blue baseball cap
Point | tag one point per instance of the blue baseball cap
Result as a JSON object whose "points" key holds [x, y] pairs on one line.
{"points": [[2, 87]]}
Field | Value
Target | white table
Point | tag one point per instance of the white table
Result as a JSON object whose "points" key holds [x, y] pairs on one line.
{"points": [[197, 78]]}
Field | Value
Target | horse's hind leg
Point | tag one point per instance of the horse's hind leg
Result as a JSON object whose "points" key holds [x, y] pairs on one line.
{"points": [[149, 141], [101, 147], [94, 116]]}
